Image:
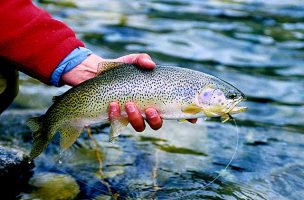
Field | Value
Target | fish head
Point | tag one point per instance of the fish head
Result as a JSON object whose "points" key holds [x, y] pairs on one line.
{"points": [[220, 100]]}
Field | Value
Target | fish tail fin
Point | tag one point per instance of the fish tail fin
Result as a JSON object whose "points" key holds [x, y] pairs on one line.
{"points": [[40, 141]]}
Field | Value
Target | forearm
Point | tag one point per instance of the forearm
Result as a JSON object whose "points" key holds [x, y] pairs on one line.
{"points": [[32, 39]]}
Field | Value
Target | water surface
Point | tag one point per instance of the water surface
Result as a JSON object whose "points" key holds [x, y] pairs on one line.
{"points": [[258, 46]]}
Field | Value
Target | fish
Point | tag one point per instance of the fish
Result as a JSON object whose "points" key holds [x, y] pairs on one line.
{"points": [[177, 93]]}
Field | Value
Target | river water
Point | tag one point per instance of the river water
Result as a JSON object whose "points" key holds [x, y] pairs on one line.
{"points": [[256, 45]]}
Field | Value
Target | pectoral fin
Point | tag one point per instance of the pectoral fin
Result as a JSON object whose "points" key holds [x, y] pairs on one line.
{"points": [[68, 135], [117, 125], [191, 109], [182, 120]]}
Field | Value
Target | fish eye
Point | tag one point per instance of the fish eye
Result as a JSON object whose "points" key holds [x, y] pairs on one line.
{"points": [[232, 96]]}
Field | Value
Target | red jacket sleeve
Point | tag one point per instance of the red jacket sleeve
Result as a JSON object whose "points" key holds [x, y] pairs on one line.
{"points": [[32, 39]]}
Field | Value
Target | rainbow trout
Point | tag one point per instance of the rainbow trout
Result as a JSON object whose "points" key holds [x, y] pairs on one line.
{"points": [[177, 93]]}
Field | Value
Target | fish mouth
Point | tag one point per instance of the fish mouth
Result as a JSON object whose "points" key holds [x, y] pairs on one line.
{"points": [[232, 108]]}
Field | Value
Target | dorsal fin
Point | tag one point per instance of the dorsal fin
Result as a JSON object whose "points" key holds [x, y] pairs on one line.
{"points": [[55, 98], [106, 66]]}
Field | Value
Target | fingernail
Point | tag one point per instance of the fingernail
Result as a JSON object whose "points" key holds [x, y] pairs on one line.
{"points": [[130, 108], [113, 106], [113, 109], [152, 114]]}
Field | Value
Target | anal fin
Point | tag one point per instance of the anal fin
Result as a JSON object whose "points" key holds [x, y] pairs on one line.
{"points": [[117, 125], [68, 135]]}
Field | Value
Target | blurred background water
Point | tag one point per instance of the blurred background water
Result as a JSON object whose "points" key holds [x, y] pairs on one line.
{"points": [[256, 45]]}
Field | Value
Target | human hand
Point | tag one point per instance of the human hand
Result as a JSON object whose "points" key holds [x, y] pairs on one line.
{"points": [[134, 115], [89, 67]]}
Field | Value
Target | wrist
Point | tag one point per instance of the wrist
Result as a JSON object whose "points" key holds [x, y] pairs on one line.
{"points": [[82, 72], [73, 59]]}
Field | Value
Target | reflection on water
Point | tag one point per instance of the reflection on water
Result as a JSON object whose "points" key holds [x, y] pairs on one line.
{"points": [[257, 46]]}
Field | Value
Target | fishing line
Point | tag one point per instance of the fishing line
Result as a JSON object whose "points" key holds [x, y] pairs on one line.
{"points": [[204, 187], [232, 157]]}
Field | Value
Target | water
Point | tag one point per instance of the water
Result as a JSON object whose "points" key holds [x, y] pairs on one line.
{"points": [[258, 46]]}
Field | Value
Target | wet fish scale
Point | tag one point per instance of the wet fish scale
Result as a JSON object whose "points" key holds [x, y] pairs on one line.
{"points": [[168, 89]]}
